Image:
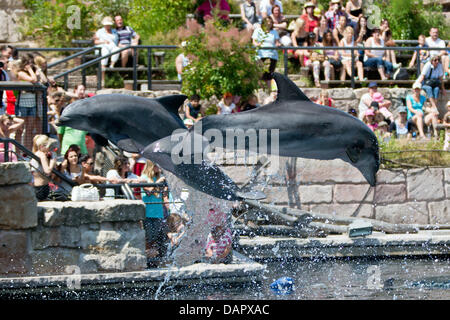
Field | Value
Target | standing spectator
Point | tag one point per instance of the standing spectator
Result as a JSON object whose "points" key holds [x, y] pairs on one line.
{"points": [[321, 29], [354, 10], [401, 126], [226, 105], [311, 21], [181, 62], [250, 14], [193, 108], [431, 79], [333, 56], [280, 25], [415, 103], [41, 71], [298, 37], [424, 55], [265, 7], [266, 36], [334, 13], [205, 9], [433, 41], [9, 124], [107, 39], [70, 166], [367, 99], [127, 37], [376, 58], [348, 41], [69, 136]]}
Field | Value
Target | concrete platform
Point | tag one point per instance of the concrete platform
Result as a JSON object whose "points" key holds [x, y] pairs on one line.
{"points": [[377, 244], [240, 270]]}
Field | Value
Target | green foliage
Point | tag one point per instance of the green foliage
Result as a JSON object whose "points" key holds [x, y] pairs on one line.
{"points": [[221, 60]]}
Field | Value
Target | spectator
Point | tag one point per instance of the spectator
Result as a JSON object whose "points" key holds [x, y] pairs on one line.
{"points": [[219, 245], [80, 92], [205, 10], [433, 41], [7, 52], [280, 25], [250, 15], [265, 7], [226, 105], [447, 128], [424, 55], [41, 170], [3, 77], [68, 136], [375, 58], [266, 36], [107, 39], [298, 37], [120, 174], [383, 107], [250, 104], [386, 35], [348, 41], [362, 32], [339, 31], [367, 99], [181, 62], [369, 119], [431, 79], [321, 29], [41, 71], [383, 130], [127, 37], [311, 21], [333, 56], [9, 124], [70, 166], [314, 59], [334, 13], [87, 163], [193, 108], [176, 226], [352, 111], [401, 126], [354, 10], [325, 100], [415, 103]]}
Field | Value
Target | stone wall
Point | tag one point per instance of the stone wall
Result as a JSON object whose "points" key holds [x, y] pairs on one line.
{"points": [[10, 12], [45, 238], [335, 187]]}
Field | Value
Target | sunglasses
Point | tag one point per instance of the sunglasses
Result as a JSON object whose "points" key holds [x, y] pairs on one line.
{"points": [[90, 163]]}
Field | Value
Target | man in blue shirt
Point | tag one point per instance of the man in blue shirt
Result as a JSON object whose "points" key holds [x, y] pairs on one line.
{"points": [[127, 36]]}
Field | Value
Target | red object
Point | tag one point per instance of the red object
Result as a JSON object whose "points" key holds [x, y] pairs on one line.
{"points": [[310, 24], [10, 102], [138, 167]]}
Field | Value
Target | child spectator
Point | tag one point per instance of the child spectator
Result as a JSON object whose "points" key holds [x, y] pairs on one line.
{"points": [[193, 108], [226, 105], [252, 103], [382, 130], [352, 111], [367, 98], [424, 55], [325, 100], [311, 21], [378, 97], [401, 126], [250, 15], [369, 119]]}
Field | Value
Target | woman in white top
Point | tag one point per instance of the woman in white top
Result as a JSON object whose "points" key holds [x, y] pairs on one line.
{"points": [[121, 174], [226, 105], [108, 40], [376, 58], [349, 41]]}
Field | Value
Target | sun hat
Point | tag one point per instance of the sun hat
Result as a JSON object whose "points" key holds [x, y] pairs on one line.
{"points": [[401, 109], [188, 122], [369, 112], [309, 4], [107, 21], [317, 12], [417, 85], [382, 124], [378, 97], [335, 1]]}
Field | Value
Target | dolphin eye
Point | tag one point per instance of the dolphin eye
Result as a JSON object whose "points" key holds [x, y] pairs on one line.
{"points": [[353, 153]]}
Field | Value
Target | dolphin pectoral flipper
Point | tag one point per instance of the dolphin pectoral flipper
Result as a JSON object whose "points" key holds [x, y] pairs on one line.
{"points": [[125, 143], [98, 139]]}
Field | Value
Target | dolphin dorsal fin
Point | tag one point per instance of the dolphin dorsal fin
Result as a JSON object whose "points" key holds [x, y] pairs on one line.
{"points": [[288, 90], [173, 102]]}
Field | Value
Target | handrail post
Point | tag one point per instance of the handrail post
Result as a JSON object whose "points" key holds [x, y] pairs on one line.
{"points": [[285, 58], [149, 68], [99, 71], [66, 82], [44, 111], [83, 71], [353, 69], [6, 148], [418, 62], [134, 69]]}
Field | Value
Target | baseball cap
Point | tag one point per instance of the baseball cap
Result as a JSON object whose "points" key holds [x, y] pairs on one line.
{"points": [[401, 109], [373, 84], [417, 85]]}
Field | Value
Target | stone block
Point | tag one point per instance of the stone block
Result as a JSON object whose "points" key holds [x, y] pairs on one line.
{"points": [[43, 237], [425, 184], [447, 190], [239, 174], [18, 207], [15, 173], [388, 193], [346, 193], [345, 105], [54, 260], [391, 176], [410, 212], [14, 257], [342, 94], [276, 195], [129, 260], [315, 194], [447, 175], [439, 212], [327, 171], [343, 210]]}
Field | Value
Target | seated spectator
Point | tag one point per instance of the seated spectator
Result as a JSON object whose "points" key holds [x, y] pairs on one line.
{"points": [[367, 99], [193, 108], [433, 41], [267, 36], [205, 10], [325, 100], [8, 126], [127, 36], [280, 25], [7, 52], [107, 39], [376, 58], [120, 174], [226, 105], [311, 21], [333, 56], [250, 15], [446, 122], [321, 29], [348, 41], [252, 103], [382, 131], [382, 107], [41, 170], [334, 13], [339, 31], [354, 10], [369, 119], [415, 103], [362, 32], [265, 7], [401, 127], [176, 226], [431, 79], [386, 35], [315, 59], [424, 55], [352, 111], [298, 38]]}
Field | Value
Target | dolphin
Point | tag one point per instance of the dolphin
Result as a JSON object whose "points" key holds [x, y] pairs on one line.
{"points": [[305, 129]]}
